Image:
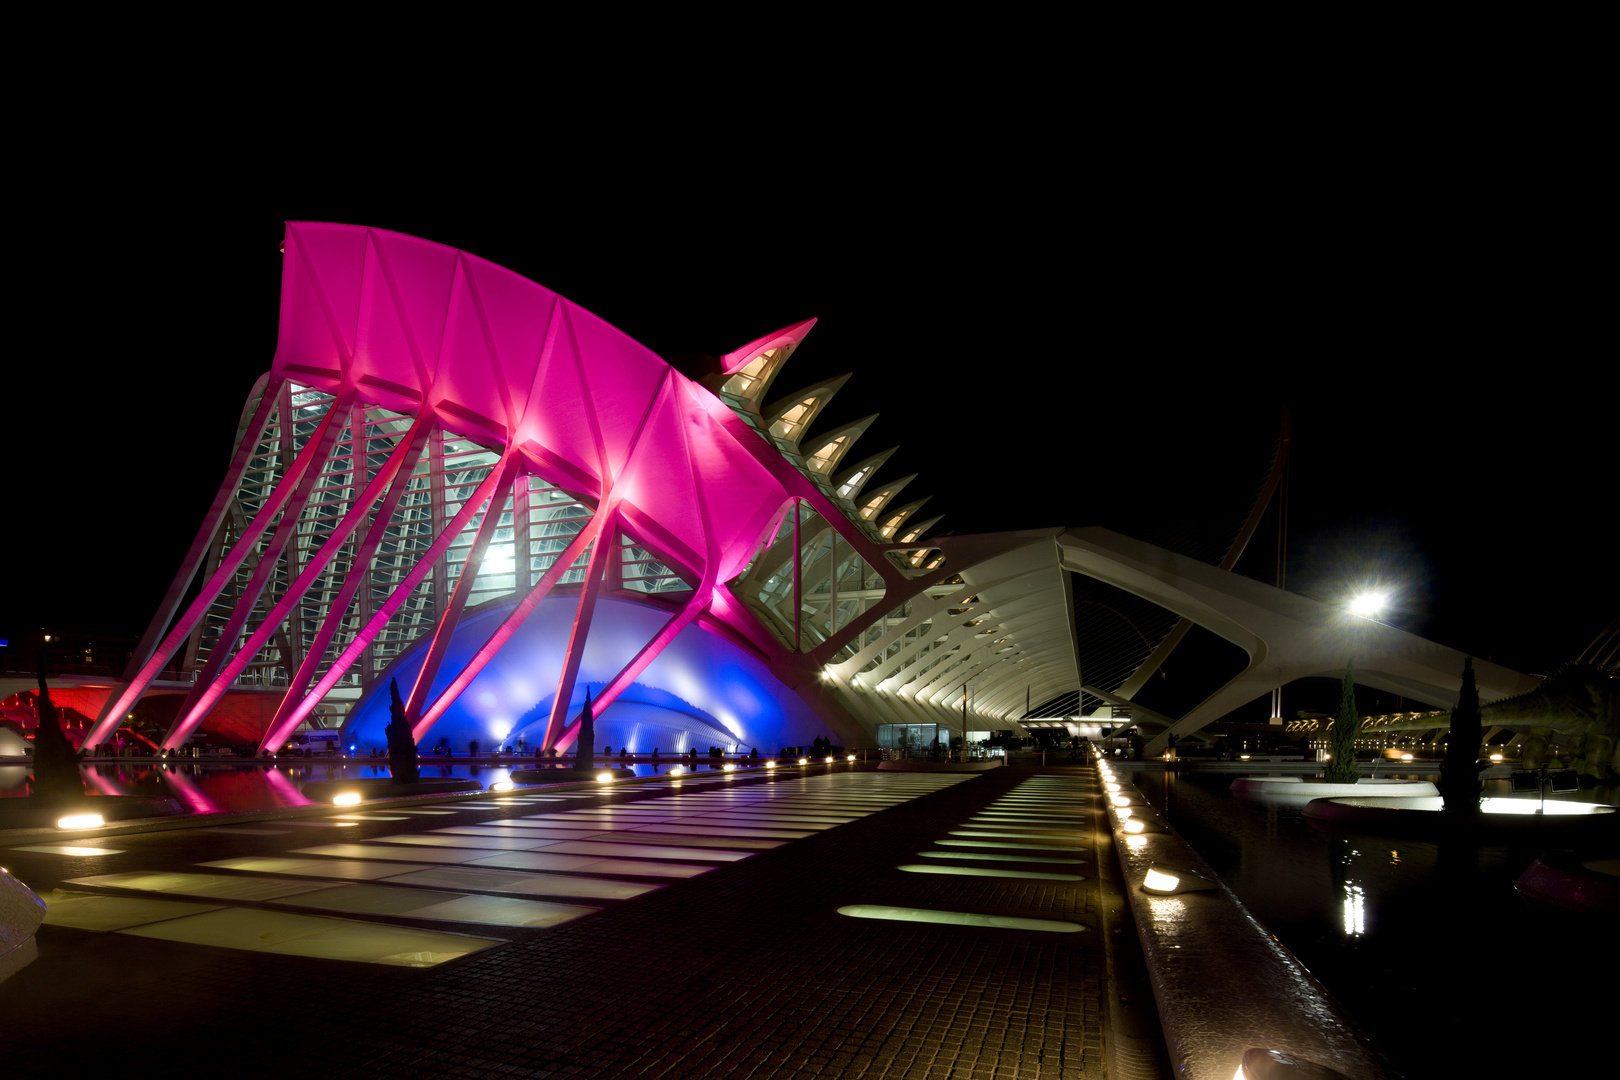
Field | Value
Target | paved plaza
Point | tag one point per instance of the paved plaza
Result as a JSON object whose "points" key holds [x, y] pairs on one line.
{"points": [[660, 929]]}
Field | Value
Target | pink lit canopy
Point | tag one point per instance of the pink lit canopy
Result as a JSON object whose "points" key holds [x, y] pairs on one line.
{"points": [[456, 343]]}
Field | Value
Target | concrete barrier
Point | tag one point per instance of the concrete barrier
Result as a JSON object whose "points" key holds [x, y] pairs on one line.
{"points": [[1223, 983]]}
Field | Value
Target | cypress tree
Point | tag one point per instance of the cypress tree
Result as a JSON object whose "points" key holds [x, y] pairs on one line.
{"points": [[56, 766], [401, 747], [1341, 766], [1459, 771], [585, 746]]}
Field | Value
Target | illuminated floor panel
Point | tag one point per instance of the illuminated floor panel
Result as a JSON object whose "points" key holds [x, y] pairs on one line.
{"points": [[979, 871], [719, 831], [336, 868], [958, 918], [672, 840], [211, 886], [1008, 835], [532, 830], [589, 864], [488, 843], [986, 857], [318, 936], [83, 911], [577, 818], [69, 849], [645, 851], [1003, 844], [317, 823], [509, 881], [397, 852], [760, 821], [414, 903]]}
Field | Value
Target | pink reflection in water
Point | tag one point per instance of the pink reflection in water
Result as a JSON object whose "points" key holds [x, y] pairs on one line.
{"points": [[283, 790], [187, 793]]}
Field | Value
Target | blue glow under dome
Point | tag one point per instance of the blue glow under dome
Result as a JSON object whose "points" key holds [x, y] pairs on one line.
{"points": [[701, 691]]}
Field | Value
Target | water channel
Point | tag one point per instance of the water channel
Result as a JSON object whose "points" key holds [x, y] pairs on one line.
{"points": [[1429, 946]]}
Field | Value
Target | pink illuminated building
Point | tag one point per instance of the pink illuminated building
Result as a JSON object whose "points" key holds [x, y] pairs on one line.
{"points": [[454, 478]]}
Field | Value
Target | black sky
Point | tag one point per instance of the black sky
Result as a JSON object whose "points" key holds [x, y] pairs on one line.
{"points": [[1048, 347]]}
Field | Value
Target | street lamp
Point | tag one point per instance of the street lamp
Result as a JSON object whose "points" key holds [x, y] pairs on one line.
{"points": [[1369, 605]]}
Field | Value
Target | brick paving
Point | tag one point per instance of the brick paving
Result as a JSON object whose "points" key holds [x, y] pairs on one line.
{"points": [[746, 971]]}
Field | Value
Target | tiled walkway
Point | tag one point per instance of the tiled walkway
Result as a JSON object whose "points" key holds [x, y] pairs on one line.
{"points": [[843, 923]]}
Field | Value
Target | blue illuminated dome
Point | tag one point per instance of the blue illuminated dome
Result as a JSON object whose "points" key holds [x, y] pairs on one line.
{"points": [[701, 691]]}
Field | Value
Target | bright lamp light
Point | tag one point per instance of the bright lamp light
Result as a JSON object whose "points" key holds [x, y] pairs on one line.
{"points": [[80, 821], [348, 798], [1169, 879], [1369, 604], [1262, 1064]]}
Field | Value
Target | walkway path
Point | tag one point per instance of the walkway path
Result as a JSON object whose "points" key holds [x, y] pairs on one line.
{"points": [[655, 929]]}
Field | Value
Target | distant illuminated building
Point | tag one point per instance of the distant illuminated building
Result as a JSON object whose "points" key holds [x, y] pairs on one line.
{"points": [[455, 478]]}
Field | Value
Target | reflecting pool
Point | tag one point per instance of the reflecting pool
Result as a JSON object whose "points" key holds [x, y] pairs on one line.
{"points": [[1427, 944]]}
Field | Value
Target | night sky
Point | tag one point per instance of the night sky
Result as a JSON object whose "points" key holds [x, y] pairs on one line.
{"points": [[1046, 353]]}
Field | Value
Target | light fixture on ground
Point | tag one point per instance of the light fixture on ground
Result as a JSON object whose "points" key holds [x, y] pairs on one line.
{"points": [[502, 785], [1262, 1064], [1165, 880], [80, 821], [347, 798], [770, 764], [604, 778]]}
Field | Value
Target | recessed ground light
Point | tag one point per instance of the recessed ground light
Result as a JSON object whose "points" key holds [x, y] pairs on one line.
{"points": [[1262, 1064], [347, 798], [1169, 879], [81, 821]]}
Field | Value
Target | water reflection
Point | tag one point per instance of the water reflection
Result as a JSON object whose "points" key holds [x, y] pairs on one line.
{"points": [[1341, 863], [1421, 941]]}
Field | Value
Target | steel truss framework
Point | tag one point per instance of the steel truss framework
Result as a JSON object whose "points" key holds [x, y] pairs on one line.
{"points": [[437, 432]]}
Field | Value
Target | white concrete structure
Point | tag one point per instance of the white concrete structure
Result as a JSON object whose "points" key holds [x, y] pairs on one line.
{"points": [[1286, 636]]}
